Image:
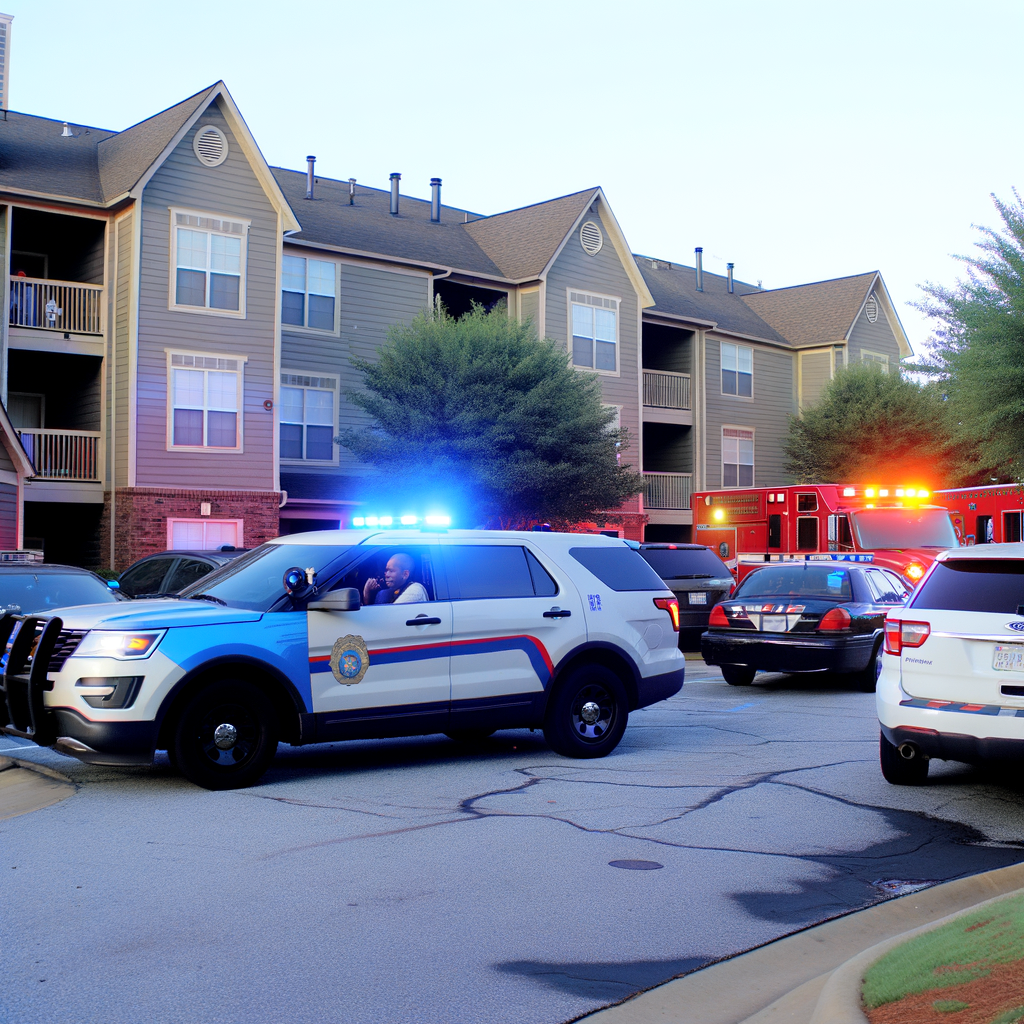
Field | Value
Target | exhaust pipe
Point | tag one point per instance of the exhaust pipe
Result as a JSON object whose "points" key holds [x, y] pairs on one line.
{"points": [[908, 751]]}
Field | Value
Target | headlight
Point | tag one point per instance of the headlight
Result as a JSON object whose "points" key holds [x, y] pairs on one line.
{"points": [[101, 643]]}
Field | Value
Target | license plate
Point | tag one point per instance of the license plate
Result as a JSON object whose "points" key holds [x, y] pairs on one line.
{"points": [[773, 623], [698, 598], [1009, 659]]}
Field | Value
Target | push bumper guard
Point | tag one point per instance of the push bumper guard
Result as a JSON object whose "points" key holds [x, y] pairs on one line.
{"points": [[29, 641]]}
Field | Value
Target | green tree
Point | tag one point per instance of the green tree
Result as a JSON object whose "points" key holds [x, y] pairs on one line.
{"points": [[977, 352], [871, 426], [477, 412]]}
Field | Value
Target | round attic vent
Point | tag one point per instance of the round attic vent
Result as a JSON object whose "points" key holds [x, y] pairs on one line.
{"points": [[591, 238], [210, 145], [871, 308]]}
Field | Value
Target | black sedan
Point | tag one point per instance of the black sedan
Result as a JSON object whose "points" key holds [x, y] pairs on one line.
{"points": [[811, 616], [32, 588]]}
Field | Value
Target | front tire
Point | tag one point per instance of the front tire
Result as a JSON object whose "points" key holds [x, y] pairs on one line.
{"points": [[226, 735], [896, 769], [587, 714], [738, 675]]}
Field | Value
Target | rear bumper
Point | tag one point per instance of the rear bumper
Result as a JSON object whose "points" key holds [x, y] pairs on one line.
{"points": [[951, 746], [659, 687], [774, 652]]}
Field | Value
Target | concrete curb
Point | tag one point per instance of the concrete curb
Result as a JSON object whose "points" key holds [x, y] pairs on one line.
{"points": [[27, 787], [840, 1002]]}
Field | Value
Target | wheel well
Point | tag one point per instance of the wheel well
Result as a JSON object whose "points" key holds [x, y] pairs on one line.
{"points": [[609, 659], [284, 705]]}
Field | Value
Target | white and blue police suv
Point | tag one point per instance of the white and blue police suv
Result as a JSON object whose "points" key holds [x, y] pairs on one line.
{"points": [[347, 635]]}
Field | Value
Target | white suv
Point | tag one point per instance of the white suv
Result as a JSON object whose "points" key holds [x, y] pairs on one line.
{"points": [[347, 635], [951, 683]]}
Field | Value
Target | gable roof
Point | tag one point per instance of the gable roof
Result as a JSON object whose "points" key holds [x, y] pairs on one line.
{"points": [[822, 313]]}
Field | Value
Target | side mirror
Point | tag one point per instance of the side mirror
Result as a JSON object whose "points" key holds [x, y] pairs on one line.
{"points": [[346, 600]]}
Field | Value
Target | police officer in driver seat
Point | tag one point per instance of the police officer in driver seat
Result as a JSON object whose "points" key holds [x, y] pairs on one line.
{"points": [[397, 588]]}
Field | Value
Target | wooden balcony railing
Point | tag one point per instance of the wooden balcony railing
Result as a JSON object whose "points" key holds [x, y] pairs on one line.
{"points": [[667, 490], [69, 455], [56, 305], [665, 390]]}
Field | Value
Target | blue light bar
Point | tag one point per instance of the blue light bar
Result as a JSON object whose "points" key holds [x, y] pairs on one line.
{"points": [[409, 520], [436, 520]]}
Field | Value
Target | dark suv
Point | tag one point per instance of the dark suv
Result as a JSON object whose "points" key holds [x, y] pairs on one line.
{"points": [[171, 571], [698, 578]]}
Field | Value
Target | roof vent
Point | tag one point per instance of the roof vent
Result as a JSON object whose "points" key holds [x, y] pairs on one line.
{"points": [[395, 179], [698, 253], [210, 146], [591, 238], [871, 308], [729, 279], [67, 133]]}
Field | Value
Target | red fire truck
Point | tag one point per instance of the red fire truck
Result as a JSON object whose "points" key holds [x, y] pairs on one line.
{"points": [[985, 515], [891, 526]]}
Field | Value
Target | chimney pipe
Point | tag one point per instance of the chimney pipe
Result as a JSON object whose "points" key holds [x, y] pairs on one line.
{"points": [[395, 179], [351, 191], [699, 253], [310, 160], [728, 276], [435, 200]]}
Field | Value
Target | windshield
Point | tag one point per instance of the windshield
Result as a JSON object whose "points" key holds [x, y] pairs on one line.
{"points": [[255, 580], [26, 593], [684, 563], [880, 528], [800, 580]]}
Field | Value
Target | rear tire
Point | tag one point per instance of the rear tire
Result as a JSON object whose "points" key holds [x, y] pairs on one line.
{"points": [[226, 735], [587, 714], [738, 675], [866, 680], [896, 769]]}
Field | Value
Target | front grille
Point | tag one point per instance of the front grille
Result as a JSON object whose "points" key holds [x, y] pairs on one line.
{"points": [[66, 645]]}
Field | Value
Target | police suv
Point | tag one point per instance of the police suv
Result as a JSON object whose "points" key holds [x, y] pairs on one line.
{"points": [[339, 635]]}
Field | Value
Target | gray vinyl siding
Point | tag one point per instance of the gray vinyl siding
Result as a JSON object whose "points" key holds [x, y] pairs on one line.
{"points": [[232, 189], [875, 337], [8, 516], [372, 301], [767, 413], [529, 307], [605, 275], [120, 341], [815, 373]]}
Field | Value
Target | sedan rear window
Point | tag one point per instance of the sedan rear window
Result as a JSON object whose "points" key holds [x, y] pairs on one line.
{"points": [[684, 563], [800, 580], [618, 568], [973, 585]]}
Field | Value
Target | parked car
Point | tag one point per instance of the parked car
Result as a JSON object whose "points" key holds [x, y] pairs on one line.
{"points": [[170, 571], [951, 684], [698, 578], [463, 632], [31, 588], [810, 616]]}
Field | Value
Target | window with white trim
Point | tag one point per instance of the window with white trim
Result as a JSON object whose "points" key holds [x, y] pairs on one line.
{"points": [[208, 263], [737, 370], [594, 323], [878, 359], [307, 417], [737, 457], [206, 401], [203, 534], [308, 292]]}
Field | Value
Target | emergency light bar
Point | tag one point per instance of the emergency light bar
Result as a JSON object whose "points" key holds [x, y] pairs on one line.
{"points": [[434, 519], [830, 556]]}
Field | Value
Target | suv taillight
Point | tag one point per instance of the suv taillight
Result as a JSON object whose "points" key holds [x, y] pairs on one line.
{"points": [[670, 605], [718, 617], [900, 633]]}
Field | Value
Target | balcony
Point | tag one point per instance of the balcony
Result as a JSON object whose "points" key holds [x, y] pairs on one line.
{"points": [[67, 456], [667, 490], [66, 306], [667, 397]]}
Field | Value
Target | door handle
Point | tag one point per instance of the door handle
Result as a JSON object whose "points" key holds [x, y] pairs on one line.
{"points": [[558, 613], [423, 620]]}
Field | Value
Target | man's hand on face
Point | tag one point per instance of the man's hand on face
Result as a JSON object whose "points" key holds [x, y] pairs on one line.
{"points": [[370, 589]]}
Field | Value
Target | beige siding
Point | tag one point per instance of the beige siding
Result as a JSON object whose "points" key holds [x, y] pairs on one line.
{"points": [[767, 413], [874, 337], [815, 373], [230, 189], [372, 301], [529, 307]]}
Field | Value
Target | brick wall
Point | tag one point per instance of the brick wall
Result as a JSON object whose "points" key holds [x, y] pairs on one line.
{"points": [[141, 515]]}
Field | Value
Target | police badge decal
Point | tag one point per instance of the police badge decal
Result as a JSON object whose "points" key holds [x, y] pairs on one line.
{"points": [[349, 659]]}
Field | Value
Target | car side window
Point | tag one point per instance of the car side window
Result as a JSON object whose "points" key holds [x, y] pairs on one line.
{"points": [[884, 587], [899, 587], [370, 574], [187, 571], [543, 584], [479, 571], [146, 578]]}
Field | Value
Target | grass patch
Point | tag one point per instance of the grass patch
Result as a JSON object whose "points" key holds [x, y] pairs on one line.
{"points": [[1011, 1016], [958, 952], [949, 1006]]}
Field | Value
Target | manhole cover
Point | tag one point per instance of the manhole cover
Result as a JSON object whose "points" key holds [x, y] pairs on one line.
{"points": [[636, 865], [901, 886]]}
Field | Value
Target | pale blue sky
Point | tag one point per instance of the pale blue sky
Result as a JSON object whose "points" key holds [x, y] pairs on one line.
{"points": [[801, 141]]}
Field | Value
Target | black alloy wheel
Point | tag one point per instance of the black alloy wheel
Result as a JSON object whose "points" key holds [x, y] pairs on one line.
{"points": [[587, 714], [899, 770], [738, 675], [226, 735]]}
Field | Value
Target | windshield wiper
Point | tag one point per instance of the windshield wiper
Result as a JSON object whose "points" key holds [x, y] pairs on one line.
{"points": [[205, 597]]}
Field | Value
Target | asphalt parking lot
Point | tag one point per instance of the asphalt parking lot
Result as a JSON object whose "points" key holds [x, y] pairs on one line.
{"points": [[419, 880]]}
